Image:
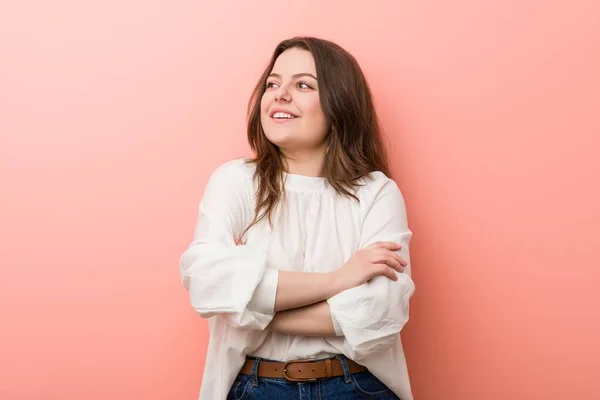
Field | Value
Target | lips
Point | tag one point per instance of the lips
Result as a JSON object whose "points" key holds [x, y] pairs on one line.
{"points": [[279, 113]]}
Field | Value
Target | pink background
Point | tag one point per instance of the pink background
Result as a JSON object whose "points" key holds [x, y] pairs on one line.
{"points": [[113, 114]]}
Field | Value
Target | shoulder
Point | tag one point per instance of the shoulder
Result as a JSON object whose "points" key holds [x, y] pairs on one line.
{"points": [[237, 170], [382, 204], [376, 184], [378, 191], [231, 179]]}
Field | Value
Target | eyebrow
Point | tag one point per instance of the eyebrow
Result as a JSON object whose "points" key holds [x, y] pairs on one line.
{"points": [[295, 76]]}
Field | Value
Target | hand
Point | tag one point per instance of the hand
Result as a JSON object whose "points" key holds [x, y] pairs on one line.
{"points": [[376, 259]]}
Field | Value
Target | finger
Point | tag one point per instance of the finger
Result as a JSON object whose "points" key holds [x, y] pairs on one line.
{"points": [[401, 260], [388, 245], [395, 264], [390, 273], [383, 269], [387, 257], [384, 254]]}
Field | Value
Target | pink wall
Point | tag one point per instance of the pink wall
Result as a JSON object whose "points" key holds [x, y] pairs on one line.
{"points": [[112, 115]]}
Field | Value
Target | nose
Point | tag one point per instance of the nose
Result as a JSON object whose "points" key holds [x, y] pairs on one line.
{"points": [[282, 94]]}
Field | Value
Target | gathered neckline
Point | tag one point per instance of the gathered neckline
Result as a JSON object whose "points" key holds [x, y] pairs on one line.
{"points": [[305, 183]]}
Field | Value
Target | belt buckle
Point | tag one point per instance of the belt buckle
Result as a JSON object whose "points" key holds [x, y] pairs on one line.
{"points": [[285, 371]]}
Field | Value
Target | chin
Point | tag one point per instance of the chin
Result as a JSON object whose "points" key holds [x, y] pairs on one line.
{"points": [[281, 142], [279, 137]]}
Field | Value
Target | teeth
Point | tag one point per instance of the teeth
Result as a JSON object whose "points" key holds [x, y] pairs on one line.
{"points": [[282, 115]]}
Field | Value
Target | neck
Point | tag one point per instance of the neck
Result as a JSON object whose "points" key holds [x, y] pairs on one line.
{"points": [[305, 163]]}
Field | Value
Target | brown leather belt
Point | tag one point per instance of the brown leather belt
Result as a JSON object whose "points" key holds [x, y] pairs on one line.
{"points": [[301, 370]]}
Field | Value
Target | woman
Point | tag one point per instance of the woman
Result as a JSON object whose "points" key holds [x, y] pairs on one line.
{"points": [[300, 255]]}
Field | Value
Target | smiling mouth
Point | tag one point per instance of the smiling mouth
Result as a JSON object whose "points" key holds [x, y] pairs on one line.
{"points": [[282, 116]]}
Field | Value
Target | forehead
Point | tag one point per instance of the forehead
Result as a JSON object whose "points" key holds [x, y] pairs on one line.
{"points": [[294, 61]]}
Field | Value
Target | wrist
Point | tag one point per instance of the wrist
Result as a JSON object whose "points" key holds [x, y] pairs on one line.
{"points": [[334, 283]]}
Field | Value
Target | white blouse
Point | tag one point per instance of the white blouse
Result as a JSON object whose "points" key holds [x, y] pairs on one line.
{"points": [[316, 230]]}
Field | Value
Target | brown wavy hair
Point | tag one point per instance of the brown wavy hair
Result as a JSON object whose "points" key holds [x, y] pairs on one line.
{"points": [[354, 143]]}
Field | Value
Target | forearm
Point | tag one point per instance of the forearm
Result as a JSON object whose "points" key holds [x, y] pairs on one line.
{"points": [[299, 289], [312, 320]]}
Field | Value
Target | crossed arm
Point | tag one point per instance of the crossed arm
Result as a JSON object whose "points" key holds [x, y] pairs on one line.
{"points": [[300, 304], [312, 320], [233, 282]]}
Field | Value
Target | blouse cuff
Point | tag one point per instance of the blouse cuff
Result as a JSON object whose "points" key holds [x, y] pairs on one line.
{"points": [[263, 299], [336, 325]]}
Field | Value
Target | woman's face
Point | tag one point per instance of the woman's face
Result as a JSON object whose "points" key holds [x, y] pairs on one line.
{"points": [[291, 113]]}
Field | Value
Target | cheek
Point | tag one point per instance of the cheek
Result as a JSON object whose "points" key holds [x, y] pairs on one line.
{"points": [[264, 103], [317, 117]]}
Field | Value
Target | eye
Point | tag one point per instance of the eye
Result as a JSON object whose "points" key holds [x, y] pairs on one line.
{"points": [[271, 84], [304, 85]]}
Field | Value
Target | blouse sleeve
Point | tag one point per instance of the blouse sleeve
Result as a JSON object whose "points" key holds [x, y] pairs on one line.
{"points": [[224, 278], [371, 316]]}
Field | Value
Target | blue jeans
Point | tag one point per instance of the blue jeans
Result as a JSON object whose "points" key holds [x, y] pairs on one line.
{"points": [[363, 385]]}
